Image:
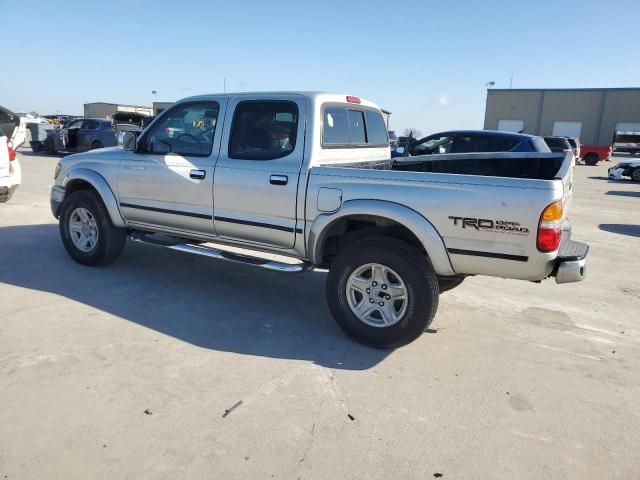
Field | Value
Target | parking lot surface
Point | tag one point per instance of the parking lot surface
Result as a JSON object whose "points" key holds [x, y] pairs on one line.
{"points": [[169, 366]]}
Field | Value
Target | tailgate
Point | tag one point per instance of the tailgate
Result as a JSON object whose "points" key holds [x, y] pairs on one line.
{"points": [[566, 175]]}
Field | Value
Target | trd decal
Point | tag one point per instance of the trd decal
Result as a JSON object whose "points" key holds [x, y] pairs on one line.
{"points": [[488, 225]]}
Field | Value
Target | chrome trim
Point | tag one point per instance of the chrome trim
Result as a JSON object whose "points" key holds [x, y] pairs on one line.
{"points": [[571, 271], [224, 255]]}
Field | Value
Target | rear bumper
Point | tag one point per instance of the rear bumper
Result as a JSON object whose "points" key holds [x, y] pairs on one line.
{"points": [[57, 197], [571, 263]]}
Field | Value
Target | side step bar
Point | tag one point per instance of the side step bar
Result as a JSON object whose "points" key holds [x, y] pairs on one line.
{"points": [[182, 246]]}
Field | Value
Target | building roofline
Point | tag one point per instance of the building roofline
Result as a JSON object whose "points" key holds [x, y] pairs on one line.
{"points": [[118, 104], [561, 89]]}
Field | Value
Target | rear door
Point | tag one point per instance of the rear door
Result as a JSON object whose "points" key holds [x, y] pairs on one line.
{"points": [[256, 177], [88, 130]]}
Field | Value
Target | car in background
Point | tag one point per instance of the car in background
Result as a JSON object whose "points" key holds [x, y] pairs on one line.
{"points": [[575, 146], [10, 173], [393, 139], [81, 135], [558, 144], [472, 141], [627, 142], [628, 168], [130, 121]]}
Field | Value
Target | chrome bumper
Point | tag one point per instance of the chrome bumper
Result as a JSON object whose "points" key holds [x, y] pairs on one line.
{"points": [[571, 264]]}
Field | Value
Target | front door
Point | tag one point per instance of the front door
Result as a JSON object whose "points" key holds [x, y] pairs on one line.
{"points": [[256, 177], [167, 182]]}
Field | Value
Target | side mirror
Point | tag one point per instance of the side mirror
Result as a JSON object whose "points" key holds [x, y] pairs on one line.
{"points": [[400, 150], [127, 140]]}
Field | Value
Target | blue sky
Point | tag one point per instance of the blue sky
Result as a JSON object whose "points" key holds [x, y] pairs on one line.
{"points": [[427, 62]]}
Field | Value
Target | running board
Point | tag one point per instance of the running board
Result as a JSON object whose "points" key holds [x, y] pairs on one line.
{"points": [[211, 252]]}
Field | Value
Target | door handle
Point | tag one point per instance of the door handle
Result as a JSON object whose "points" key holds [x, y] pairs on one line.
{"points": [[278, 180], [197, 174]]}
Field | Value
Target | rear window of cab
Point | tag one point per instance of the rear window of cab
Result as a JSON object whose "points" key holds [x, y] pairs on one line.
{"points": [[349, 126]]}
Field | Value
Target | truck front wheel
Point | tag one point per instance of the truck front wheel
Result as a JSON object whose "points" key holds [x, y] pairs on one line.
{"points": [[382, 291], [87, 232]]}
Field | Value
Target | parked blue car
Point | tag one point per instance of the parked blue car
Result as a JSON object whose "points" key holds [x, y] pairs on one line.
{"points": [[469, 141], [79, 135]]}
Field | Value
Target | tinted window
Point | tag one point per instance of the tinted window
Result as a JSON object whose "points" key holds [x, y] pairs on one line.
{"points": [[185, 130], [462, 144], [91, 124], [503, 144], [376, 128], [335, 130], [356, 127], [76, 124], [263, 130], [435, 145]]}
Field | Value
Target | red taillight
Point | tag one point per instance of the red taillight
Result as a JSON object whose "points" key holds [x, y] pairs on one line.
{"points": [[12, 152], [549, 238], [352, 99], [550, 227]]}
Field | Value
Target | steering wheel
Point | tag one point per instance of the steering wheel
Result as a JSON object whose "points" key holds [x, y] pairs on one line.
{"points": [[195, 139]]}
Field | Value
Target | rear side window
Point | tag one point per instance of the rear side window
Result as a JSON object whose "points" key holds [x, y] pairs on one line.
{"points": [[263, 130], [345, 126], [376, 128], [91, 124], [503, 144]]}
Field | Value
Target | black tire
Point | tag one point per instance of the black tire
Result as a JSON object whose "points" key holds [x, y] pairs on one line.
{"points": [[95, 144], [449, 283], [415, 271], [111, 240], [635, 175], [6, 196], [591, 159]]}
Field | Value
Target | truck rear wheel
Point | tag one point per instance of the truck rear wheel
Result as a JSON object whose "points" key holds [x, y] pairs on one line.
{"points": [[382, 291], [87, 232], [591, 159]]}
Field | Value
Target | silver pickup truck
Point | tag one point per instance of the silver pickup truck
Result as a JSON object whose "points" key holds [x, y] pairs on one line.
{"points": [[309, 176]]}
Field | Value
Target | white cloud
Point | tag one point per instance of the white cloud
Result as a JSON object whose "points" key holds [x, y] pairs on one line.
{"points": [[443, 101]]}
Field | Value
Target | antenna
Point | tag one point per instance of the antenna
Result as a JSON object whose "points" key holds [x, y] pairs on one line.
{"points": [[224, 85], [511, 80]]}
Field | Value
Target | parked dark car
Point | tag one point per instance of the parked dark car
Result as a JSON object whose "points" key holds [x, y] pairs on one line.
{"points": [[81, 135], [558, 144], [470, 141]]}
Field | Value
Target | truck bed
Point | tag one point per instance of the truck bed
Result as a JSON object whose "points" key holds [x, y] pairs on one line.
{"points": [[539, 166]]}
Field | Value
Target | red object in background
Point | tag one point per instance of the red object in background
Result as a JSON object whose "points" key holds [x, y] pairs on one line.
{"points": [[595, 152], [12, 152]]}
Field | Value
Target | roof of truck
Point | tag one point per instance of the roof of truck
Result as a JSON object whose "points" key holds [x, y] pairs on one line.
{"points": [[314, 95]]}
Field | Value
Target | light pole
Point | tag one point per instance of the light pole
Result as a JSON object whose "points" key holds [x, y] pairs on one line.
{"points": [[488, 85]]}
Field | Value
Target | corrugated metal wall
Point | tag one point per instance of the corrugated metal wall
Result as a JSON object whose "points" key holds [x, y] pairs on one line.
{"points": [[598, 109]]}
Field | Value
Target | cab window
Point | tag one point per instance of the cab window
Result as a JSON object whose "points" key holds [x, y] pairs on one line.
{"points": [[186, 129], [263, 130]]}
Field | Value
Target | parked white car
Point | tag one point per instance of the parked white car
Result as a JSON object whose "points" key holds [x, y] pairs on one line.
{"points": [[628, 168], [10, 173]]}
